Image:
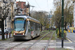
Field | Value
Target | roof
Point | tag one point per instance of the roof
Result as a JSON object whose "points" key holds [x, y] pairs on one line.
{"points": [[25, 17], [20, 16]]}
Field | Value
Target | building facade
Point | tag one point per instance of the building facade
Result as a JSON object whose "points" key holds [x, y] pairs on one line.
{"points": [[22, 7], [12, 6]]}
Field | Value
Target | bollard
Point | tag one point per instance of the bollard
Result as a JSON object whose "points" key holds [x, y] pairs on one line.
{"points": [[5, 35], [73, 31], [11, 34], [8, 35], [68, 30], [0, 37]]}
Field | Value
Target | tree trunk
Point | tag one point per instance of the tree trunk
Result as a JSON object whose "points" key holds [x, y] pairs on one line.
{"points": [[2, 28], [65, 25], [70, 24], [59, 30]]}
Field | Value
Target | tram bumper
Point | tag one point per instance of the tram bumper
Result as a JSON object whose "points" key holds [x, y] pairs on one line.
{"points": [[18, 35]]}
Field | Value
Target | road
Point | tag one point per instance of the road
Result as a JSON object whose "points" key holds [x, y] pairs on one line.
{"points": [[71, 37], [22, 45], [10, 44], [70, 42]]}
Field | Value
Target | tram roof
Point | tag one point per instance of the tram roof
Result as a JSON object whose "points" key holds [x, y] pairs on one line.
{"points": [[25, 17]]}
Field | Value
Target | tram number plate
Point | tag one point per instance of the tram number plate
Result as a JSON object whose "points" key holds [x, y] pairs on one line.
{"points": [[18, 34]]}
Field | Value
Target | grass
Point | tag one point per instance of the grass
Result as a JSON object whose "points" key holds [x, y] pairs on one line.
{"points": [[2, 40], [54, 36], [49, 35], [42, 34]]}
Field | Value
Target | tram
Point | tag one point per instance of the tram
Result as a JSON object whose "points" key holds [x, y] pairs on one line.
{"points": [[25, 27]]}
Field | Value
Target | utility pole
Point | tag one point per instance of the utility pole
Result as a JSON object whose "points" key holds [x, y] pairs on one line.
{"points": [[62, 38], [74, 14], [28, 6], [12, 13], [49, 21], [28, 9]]}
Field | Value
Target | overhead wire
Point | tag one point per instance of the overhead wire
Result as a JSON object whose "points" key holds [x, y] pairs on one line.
{"points": [[38, 4], [27, 1], [47, 3]]}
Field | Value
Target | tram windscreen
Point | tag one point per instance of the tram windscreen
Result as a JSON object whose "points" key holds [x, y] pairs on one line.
{"points": [[19, 25]]}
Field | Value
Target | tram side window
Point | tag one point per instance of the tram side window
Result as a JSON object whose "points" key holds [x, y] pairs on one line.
{"points": [[31, 26], [28, 25], [36, 26]]}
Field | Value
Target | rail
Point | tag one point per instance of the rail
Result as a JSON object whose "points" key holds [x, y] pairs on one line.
{"points": [[38, 41], [49, 41]]}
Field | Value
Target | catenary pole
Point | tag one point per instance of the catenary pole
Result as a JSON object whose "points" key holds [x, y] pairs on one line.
{"points": [[62, 35]]}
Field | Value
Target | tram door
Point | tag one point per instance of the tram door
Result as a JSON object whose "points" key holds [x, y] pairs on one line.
{"points": [[29, 33]]}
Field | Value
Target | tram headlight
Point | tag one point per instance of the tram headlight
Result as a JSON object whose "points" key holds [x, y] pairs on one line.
{"points": [[22, 33], [14, 33]]}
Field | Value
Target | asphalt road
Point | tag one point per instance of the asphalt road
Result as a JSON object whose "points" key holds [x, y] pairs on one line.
{"points": [[70, 42], [71, 37], [10, 44]]}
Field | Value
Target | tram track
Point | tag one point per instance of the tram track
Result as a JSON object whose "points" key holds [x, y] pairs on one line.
{"points": [[20, 43], [42, 33], [31, 44], [46, 48], [14, 46], [39, 40]]}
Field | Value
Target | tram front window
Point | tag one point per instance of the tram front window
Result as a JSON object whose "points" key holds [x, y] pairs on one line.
{"points": [[19, 25]]}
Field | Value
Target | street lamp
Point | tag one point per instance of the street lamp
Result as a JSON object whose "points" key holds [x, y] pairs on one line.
{"points": [[28, 6], [62, 40], [74, 13], [32, 6]]}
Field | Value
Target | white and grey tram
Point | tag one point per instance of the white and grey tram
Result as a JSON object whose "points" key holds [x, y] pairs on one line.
{"points": [[25, 27]]}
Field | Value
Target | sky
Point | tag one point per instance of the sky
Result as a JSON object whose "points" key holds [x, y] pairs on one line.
{"points": [[40, 5]]}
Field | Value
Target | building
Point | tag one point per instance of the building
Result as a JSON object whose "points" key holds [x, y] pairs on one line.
{"points": [[22, 7], [12, 6]]}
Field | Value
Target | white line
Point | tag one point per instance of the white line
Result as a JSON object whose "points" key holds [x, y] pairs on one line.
{"points": [[38, 43], [66, 47], [69, 40]]}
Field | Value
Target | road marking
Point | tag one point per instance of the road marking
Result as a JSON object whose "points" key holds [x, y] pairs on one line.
{"points": [[66, 47], [38, 43], [69, 40]]}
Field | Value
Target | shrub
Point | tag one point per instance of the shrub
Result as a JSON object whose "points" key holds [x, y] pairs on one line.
{"points": [[57, 30], [59, 35]]}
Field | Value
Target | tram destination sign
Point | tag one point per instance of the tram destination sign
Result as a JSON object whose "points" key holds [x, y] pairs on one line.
{"points": [[19, 19]]}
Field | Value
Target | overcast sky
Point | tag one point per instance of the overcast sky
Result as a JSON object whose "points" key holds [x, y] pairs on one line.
{"points": [[41, 5]]}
